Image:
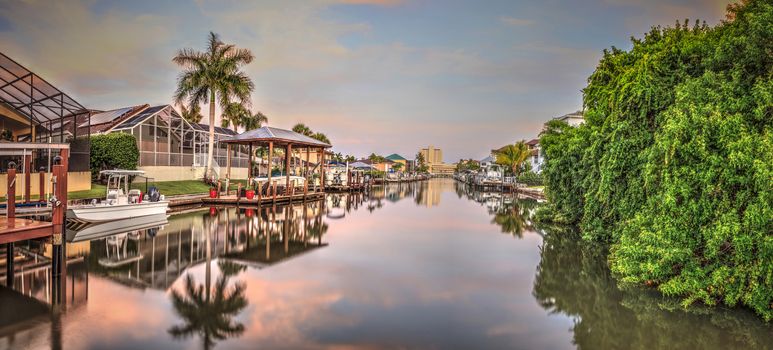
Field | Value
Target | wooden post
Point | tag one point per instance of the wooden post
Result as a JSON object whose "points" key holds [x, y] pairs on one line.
{"points": [[306, 168], [228, 165], [273, 191], [249, 162], [42, 185], [11, 212], [288, 151], [27, 176], [11, 192], [322, 176], [270, 153], [59, 208]]}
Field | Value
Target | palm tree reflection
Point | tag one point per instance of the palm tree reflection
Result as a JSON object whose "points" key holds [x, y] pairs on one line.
{"points": [[514, 216], [210, 316]]}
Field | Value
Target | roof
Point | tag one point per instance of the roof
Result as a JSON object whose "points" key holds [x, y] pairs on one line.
{"points": [[140, 117], [488, 159], [360, 165], [104, 117], [575, 115], [276, 135], [32, 96], [533, 142], [218, 130], [395, 156]]}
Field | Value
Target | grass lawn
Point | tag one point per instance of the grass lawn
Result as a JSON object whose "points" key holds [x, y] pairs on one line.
{"points": [[167, 188]]}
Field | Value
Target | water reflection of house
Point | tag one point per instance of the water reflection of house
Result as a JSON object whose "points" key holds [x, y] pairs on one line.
{"points": [[156, 259]]}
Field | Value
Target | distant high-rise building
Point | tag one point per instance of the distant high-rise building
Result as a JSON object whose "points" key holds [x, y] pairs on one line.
{"points": [[432, 155], [434, 158]]}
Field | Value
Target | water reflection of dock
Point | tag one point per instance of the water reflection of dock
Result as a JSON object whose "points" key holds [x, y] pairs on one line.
{"points": [[155, 257]]}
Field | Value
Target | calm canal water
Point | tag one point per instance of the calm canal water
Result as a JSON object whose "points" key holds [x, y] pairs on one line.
{"points": [[424, 265]]}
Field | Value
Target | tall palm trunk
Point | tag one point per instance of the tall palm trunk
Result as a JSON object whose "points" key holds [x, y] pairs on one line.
{"points": [[211, 134]]}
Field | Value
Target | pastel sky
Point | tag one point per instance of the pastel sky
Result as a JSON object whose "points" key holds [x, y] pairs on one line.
{"points": [[378, 76]]}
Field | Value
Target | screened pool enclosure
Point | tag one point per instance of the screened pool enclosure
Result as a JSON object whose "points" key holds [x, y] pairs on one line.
{"points": [[164, 138]]}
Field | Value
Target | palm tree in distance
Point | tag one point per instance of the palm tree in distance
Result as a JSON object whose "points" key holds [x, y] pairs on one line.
{"points": [[321, 137], [233, 115], [254, 121], [303, 129], [513, 156], [213, 76], [191, 115]]}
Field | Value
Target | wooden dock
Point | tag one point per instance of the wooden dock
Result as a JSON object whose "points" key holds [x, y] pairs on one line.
{"points": [[13, 229], [232, 200]]}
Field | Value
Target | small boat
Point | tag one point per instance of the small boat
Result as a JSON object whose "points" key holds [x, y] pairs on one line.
{"points": [[120, 202]]}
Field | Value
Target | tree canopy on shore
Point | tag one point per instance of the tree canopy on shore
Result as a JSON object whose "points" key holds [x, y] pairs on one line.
{"points": [[674, 165], [213, 76]]}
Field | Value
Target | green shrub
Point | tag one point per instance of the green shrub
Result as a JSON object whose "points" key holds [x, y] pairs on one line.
{"points": [[113, 151], [530, 178], [674, 165]]}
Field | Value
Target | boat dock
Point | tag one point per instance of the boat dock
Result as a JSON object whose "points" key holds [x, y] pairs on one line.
{"points": [[48, 223]]}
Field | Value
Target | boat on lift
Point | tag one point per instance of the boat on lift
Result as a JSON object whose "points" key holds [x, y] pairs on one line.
{"points": [[120, 202]]}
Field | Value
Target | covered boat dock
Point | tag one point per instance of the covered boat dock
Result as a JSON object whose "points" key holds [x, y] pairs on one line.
{"points": [[298, 181]]}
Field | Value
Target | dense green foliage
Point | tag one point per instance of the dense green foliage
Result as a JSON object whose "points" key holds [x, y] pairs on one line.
{"points": [[674, 164], [467, 164], [530, 178], [113, 151]]}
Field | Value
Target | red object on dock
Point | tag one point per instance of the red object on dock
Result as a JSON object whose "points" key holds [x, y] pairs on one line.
{"points": [[249, 212], [250, 194], [212, 193]]}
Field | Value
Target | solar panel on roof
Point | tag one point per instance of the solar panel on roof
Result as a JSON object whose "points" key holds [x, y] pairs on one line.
{"points": [[106, 117], [139, 118]]}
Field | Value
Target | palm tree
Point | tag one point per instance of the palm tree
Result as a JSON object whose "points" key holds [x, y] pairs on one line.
{"points": [[192, 115], [321, 137], [513, 156], [303, 129], [254, 121], [233, 114], [213, 76]]}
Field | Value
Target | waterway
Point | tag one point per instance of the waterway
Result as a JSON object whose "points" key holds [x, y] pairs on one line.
{"points": [[421, 265]]}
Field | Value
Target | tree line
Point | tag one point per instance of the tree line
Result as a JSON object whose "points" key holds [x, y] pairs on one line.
{"points": [[674, 164]]}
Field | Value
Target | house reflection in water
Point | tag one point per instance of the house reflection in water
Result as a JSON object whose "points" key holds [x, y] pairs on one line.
{"points": [[156, 257], [155, 253]]}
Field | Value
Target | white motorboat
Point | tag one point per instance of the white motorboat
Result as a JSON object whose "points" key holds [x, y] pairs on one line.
{"points": [[120, 202]]}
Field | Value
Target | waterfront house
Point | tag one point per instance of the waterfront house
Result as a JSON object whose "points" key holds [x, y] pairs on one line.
{"points": [[384, 166], [171, 148], [34, 110], [537, 157], [398, 159], [573, 119]]}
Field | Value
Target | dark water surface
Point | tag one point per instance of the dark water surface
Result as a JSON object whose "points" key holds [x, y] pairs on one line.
{"points": [[425, 265]]}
